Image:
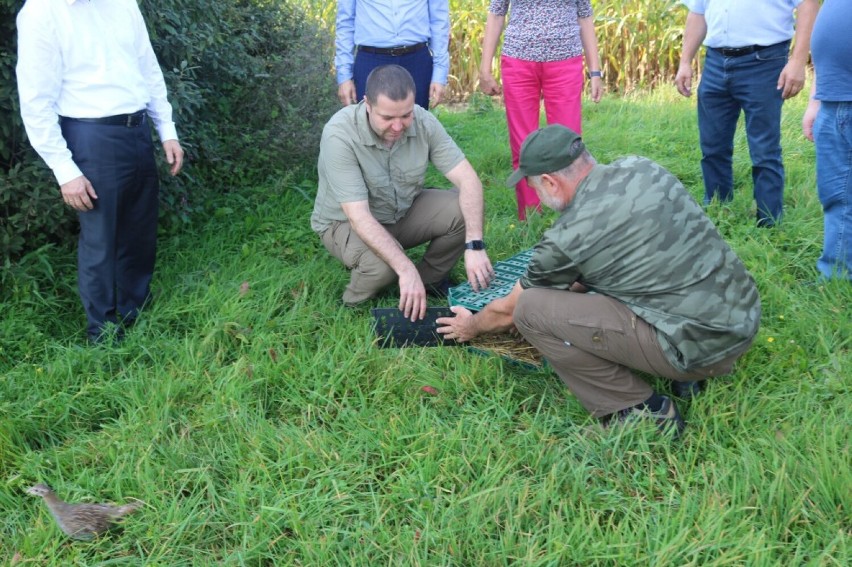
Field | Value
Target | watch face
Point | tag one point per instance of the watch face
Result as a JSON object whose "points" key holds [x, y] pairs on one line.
{"points": [[475, 245]]}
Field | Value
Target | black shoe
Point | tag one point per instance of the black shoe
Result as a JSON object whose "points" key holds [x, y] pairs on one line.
{"points": [[440, 289], [687, 390], [667, 418]]}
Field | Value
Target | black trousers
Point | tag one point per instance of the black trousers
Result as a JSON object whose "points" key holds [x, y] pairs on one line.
{"points": [[118, 238]]}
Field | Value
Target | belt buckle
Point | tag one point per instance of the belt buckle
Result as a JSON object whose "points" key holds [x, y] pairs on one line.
{"points": [[129, 122], [397, 51]]}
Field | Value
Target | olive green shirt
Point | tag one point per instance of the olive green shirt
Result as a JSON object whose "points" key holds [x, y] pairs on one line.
{"points": [[354, 165], [634, 233]]}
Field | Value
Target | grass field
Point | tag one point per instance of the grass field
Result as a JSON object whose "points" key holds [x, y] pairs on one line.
{"points": [[260, 424]]}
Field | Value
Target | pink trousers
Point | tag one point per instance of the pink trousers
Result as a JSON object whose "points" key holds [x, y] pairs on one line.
{"points": [[525, 84]]}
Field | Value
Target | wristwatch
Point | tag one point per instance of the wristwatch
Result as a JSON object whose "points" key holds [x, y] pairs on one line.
{"points": [[474, 245], [591, 74]]}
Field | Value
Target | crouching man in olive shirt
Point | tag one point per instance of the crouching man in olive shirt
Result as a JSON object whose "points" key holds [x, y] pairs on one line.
{"points": [[371, 204], [632, 276]]}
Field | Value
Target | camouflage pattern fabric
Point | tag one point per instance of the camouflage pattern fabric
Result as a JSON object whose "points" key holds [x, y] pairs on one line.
{"points": [[634, 233]]}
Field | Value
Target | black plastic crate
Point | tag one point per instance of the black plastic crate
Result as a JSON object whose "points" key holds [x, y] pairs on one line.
{"points": [[393, 330]]}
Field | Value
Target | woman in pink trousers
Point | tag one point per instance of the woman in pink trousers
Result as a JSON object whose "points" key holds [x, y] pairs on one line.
{"points": [[542, 58]]}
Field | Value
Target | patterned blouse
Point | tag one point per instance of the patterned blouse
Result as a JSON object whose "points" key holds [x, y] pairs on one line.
{"points": [[542, 30]]}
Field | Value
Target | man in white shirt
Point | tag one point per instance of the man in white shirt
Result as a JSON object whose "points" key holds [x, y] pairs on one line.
{"points": [[748, 68], [89, 81]]}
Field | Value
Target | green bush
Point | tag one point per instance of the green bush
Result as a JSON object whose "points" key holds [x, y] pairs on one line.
{"points": [[251, 85], [31, 213]]}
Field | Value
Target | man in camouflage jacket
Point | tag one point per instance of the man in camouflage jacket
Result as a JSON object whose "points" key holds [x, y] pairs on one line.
{"points": [[632, 276]]}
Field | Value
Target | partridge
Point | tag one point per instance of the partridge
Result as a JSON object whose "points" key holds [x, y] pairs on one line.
{"points": [[81, 521]]}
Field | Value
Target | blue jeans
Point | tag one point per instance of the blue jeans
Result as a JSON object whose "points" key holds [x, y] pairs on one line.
{"points": [[833, 138], [748, 83]]}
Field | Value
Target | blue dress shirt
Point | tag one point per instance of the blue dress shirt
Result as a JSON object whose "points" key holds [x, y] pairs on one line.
{"points": [[392, 23]]}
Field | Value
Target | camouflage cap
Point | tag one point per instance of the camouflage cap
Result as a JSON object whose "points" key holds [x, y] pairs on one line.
{"points": [[547, 150]]}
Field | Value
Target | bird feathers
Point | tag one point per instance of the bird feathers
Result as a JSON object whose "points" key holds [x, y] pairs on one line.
{"points": [[83, 520]]}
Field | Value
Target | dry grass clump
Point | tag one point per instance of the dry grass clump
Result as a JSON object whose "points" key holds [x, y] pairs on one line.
{"points": [[509, 346]]}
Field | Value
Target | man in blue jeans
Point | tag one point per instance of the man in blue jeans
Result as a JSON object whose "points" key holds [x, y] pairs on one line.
{"points": [[413, 34], [746, 69], [828, 123]]}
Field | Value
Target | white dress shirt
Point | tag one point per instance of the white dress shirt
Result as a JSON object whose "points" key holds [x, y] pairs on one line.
{"points": [[85, 59]]}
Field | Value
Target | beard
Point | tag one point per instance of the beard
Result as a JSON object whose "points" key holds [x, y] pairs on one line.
{"points": [[551, 202]]}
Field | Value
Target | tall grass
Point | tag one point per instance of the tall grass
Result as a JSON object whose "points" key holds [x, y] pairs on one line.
{"points": [[639, 41], [261, 425]]}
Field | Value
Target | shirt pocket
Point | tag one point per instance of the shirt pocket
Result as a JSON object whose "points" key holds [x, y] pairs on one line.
{"points": [[382, 195], [413, 176]]}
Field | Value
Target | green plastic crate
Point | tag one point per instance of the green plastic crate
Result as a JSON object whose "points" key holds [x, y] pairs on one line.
{"points": [[507, 273]]}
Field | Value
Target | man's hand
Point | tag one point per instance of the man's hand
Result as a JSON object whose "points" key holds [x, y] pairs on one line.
{"points": [[478, 268], [174, 156], [79, 194], [808, 119], [346, 93], [436, 94], [412, 294], [459, 328], [683, 79], [791, 80]]}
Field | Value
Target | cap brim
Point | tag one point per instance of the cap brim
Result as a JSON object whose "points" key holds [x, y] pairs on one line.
{"points": [[515, 178]]}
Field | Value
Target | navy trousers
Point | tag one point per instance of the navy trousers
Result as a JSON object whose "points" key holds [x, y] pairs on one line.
{"points": [[418, 63], [118, 237]]}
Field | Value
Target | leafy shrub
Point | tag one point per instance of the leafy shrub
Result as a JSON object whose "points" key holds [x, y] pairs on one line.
{"points": [[251, 85]]}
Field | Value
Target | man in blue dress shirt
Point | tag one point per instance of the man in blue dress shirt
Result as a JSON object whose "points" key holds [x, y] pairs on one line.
{"points": [[410, 33]]}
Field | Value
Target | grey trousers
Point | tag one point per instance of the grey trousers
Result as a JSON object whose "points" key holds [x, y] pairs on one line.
{"points": [[434, 217], [594, 342]]}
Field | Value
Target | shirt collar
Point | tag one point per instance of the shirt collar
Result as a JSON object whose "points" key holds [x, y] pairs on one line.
{"points": [[362, 122]]}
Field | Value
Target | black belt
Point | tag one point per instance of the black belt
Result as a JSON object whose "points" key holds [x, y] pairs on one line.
{"points": [[127, 120], [740, 51], [394, 51]]}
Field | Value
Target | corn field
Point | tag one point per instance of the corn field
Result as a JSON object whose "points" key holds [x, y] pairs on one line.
{"points": [[639, 41]]}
